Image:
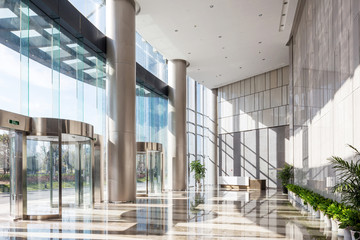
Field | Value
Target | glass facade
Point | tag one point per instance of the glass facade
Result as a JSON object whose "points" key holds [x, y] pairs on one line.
{"points": [[93, 10], [151, 119], [200, 130], [45, 71], [151, 59]]}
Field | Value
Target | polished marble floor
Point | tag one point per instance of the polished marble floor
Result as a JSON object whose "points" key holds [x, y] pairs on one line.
{"points": [[210, 214]]}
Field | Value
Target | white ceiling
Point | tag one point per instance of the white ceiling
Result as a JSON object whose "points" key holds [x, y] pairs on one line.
{"points": [[223, 40]]}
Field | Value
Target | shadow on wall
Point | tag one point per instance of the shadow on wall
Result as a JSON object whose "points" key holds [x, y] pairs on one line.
{"points": [[257, 154], [326, 87]]}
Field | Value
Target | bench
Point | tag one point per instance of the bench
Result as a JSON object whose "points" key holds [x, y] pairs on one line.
{"points": [[230, 182]]}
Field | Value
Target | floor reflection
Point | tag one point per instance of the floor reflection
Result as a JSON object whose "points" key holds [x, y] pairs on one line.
{"points": [[210, 214]]}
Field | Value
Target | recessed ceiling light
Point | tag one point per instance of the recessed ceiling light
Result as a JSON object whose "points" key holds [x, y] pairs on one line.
{"points": [[263, 59], [189, 52], [176, 30], [259, 42], [240, 67], [195, 26], [219, 36], [225, 57], [260, 15], [211, 6]]}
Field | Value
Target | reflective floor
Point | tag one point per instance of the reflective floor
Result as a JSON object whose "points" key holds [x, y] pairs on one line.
{"points": [[211, 214]]}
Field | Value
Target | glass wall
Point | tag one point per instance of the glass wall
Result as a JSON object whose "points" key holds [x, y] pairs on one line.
{"points": [[201, 130], [45, 71], [149, 58], [93, 10], [151, 119]]}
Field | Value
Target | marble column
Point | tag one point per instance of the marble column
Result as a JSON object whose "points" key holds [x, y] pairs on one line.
{"points": [[120, 95], [177, 122]]}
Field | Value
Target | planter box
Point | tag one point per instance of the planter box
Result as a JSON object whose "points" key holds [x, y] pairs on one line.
{"points": [[353, 235], [347, 234], [334, 225], [327, 222], [310, 208], [317, 214]]}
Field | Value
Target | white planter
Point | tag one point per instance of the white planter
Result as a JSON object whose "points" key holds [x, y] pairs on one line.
{"points": [[334, 225], [347, 234], [340, 232], [352, 235], [327, 222], [317, 214], [310, 209], [322, 215]]}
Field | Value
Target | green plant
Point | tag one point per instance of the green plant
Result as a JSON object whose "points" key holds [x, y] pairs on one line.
{"points": [[199, 170], [346, 215], [5, 177], [350, 218], [349, 179], [335, 210], [286, 175]]}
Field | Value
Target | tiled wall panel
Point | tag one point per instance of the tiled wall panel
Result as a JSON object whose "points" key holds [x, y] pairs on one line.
{"points": [[325, 90], [253, 120], [264, 95]]}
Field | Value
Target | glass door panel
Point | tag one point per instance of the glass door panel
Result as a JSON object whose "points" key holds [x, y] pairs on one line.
{"points": [[70, 160], [154, 172], [76, 171], [7, 190], [141, 172], [85, 174], [42, 180]]}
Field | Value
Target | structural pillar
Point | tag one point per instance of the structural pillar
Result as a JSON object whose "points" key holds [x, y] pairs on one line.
{"points": [[120, 95], [177, 97]]}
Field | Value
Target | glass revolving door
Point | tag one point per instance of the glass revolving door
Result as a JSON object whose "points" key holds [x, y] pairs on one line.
{"points": [[76, 171], [141, 173], [59, 167], [42, 175], [149, 168]]}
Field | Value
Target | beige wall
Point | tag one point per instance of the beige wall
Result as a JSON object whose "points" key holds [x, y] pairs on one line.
{"points": [[253, 126], [253, 103], [325, 90]]}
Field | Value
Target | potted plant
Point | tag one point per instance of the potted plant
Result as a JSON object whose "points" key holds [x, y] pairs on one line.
{"points": [[334, 211], [199, 170], [348, 173], [350, 221], [286, 175], [349, 179]]}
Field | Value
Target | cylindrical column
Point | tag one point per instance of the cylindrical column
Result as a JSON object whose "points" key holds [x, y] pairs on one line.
{"points": [[120, 93], [177, 80]]}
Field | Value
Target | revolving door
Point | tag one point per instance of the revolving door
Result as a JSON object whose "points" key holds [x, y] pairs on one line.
{"points": [[58, 167], [51, 164], [149, 168]]}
